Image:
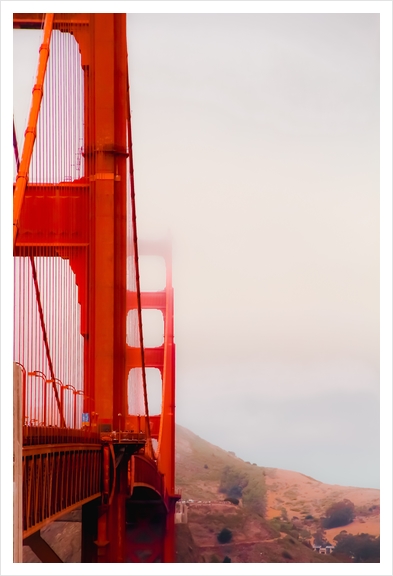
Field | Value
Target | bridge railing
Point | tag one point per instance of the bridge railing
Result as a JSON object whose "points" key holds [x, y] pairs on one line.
{"points": [[57, 479], [52, 412], [34, 435]]}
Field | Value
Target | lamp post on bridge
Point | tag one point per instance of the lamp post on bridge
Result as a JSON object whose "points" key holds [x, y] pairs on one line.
{"points": [[40, 374], [58, 382], [23, 369], [73, 389], [77, 393]]}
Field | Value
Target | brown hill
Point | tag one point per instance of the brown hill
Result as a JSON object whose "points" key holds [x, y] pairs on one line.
{"points": [[298, 495], [277, 514]]}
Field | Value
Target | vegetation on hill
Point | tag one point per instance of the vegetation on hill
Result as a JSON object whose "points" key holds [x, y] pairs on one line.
{"points": [[247, 484], [339, 514], [360, 548], [206, 472], [224, 536], [254, 495], [233, 481], [234, 495]]}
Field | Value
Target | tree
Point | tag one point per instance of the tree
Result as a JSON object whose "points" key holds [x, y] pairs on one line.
{"points": [[227, 559], [360, 548], [320, 537], [337, 537], [339, 514], [233, 482]]}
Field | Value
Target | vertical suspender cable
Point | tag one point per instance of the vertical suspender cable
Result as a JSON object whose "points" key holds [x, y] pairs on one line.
{"points": [[38, 298], [45, 337], [21, 179]]}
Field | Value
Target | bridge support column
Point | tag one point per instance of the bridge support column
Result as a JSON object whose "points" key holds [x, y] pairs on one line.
{"points": [[169, 539], [89, 531], [103, 525], [102, 535], [117, 514]]}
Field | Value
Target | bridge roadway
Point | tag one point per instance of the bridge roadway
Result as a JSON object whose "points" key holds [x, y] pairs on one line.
{"points": [[66, 472]]}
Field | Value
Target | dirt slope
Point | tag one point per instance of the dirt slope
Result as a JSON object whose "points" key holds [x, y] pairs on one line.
{"points": [[301, 495]]}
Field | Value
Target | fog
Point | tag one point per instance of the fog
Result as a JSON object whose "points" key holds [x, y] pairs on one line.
{"points": [[256, 144]]}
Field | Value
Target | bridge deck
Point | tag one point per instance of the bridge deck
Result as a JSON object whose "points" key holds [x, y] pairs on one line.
{"points": [[62, 469], [56, 479]]}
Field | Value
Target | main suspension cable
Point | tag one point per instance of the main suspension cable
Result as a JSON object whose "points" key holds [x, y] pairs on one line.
{"points": [[136, 261]]}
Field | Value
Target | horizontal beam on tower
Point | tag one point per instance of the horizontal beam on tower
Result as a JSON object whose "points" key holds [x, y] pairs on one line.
{"points": [[34, 21], [154, 357], [149, 300], [54, 215]]}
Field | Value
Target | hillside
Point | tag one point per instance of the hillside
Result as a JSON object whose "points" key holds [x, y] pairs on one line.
{"points": [[300, 495], [277, 514]]}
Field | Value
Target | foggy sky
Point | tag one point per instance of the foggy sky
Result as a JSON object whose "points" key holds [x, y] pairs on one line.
{"points": [[256, 144]]}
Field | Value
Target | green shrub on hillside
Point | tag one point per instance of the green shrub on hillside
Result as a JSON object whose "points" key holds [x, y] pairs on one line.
{"points": [[286, 527], [233, 482], [224, 536], [254, 496], [250, 486], [339, 514]]}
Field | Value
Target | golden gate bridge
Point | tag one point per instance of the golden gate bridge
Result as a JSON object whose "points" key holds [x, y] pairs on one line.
{"points": [[83, 434]]}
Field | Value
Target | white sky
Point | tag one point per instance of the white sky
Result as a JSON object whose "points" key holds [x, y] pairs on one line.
{"points": [[256, 144]]}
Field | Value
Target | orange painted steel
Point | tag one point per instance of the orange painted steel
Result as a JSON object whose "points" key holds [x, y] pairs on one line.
{"points": [[30, 134], [162, 427], [54, 215], [81, 447]]}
